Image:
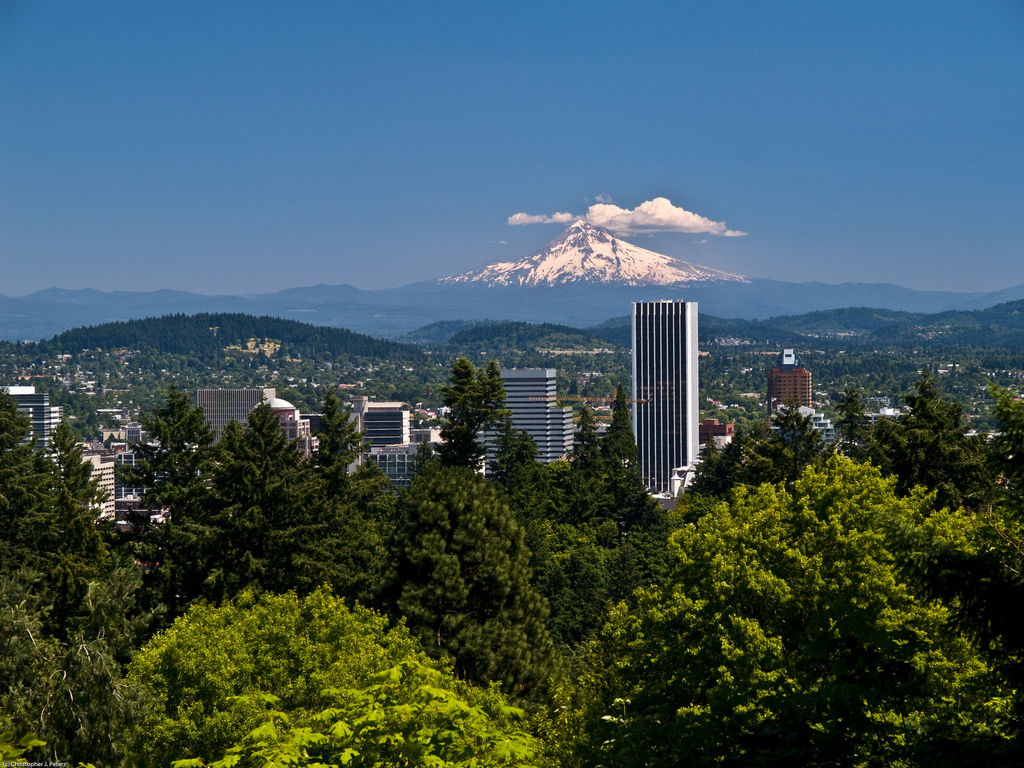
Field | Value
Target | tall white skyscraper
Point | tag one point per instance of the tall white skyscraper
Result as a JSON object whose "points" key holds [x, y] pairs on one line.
{"points": [[665, 414]]}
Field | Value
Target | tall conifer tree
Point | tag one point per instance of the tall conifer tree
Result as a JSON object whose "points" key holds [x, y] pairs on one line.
{"points": [[462, 580], [476, 399], [174, 466]]}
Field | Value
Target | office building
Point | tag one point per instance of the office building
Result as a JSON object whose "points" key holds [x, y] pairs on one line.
{"points": [[788, 381], [395, 461], [386, 423], [531, 397], [102, 464], [43, 417], [133, 432], [710, 430], [294, 425], [127, 491], [665, 415], [222, 406]]}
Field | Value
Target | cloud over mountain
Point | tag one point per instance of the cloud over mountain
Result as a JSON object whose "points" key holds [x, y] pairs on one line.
{"points": [[519, 219], [657, 215]]}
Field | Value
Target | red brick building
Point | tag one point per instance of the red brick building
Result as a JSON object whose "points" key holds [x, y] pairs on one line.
{"points": [[788, 380], [710, 428]]}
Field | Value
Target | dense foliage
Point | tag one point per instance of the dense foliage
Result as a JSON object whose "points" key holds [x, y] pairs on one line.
{"points": [[791, 629], [799, 606], [198, 672]]}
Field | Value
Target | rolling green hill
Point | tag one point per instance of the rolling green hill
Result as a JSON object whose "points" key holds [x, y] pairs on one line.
{"points": [[205, 337]]}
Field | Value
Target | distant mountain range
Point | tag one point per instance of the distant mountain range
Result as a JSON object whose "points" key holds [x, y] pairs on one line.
{"points": [[582, 278]]}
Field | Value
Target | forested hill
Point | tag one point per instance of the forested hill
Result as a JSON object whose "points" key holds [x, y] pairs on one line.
{"points": [[517, 334], [998, 326], [206, 336], [618, 331]]}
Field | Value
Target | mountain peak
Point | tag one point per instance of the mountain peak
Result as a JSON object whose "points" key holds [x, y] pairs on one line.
{"points": [[585, 253]]}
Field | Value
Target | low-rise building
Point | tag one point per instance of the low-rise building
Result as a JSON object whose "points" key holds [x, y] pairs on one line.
{"points": [[711, 429]]}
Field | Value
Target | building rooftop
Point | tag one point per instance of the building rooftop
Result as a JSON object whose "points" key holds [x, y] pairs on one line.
{"points": [[277, 404], [789, 359]]}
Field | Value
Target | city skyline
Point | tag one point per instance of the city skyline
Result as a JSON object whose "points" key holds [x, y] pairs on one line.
{"points": [[247, 148]]}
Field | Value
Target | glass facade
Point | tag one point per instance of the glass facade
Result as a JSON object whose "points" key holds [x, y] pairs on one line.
{"points": [[665, 415], [395, 461]]}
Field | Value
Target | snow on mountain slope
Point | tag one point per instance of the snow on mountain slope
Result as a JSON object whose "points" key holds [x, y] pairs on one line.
{"points": [[584, 253]]}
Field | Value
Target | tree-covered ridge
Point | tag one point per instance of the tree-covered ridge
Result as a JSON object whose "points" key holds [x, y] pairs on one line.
{"points": [[1001, 326], [205, 337], [519, 335], [440, 332], [618, 331]]}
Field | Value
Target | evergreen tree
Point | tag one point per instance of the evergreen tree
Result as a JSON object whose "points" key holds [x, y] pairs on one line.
{"points": [[715, 475], [174, 466], [23, 484], [929, 447], [624, 497], [462, 580], [794, 445], [1007, 449], [515, 470], [619, 443], [986, 586], [425, 456], [67, 532], [340, 444], [579, 490], [852, 425], [265, 509], [586, 450], [360, 500], [69, 690], [477, 403]]}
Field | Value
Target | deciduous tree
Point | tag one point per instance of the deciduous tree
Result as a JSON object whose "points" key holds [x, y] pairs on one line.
{"points": [[789, 633]]}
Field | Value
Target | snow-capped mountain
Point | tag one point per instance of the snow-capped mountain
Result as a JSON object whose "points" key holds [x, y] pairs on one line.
{"points": [[584, 253]]}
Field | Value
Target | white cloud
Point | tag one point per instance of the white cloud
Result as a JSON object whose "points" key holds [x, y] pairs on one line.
{"points": [[519, 219], [657, 215], [604, 199]]}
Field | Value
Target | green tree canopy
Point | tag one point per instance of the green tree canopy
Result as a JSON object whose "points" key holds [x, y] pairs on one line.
{"points": [[294, 647], [789, 634], [412, 716]]}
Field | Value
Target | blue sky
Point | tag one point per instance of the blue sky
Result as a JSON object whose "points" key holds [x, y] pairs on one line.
{"points": [[238, 147]]}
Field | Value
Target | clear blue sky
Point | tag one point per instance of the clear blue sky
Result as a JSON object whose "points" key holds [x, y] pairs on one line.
{"points": [[234, 147]]}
